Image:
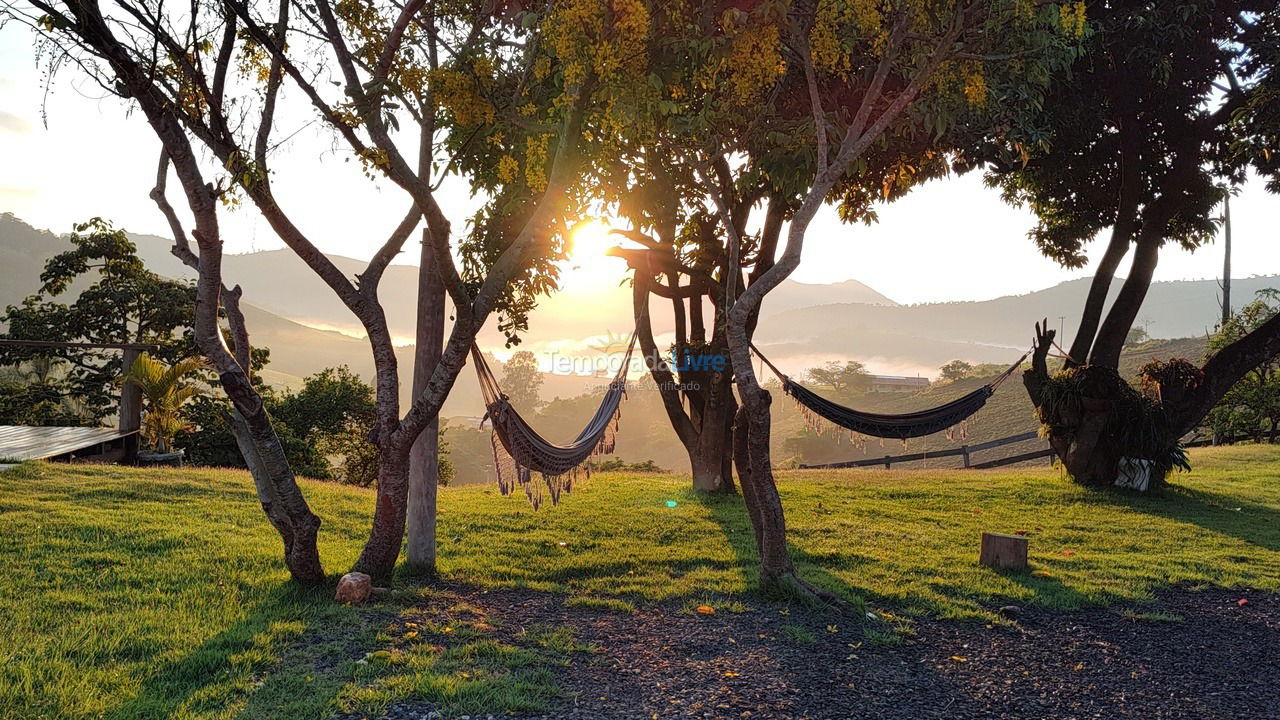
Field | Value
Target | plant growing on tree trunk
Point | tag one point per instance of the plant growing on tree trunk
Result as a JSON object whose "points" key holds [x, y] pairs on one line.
{"points": [[1138, 137], [867, 98]]}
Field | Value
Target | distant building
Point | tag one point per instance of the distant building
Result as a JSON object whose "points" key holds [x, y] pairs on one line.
{"points": [[897, 383]]}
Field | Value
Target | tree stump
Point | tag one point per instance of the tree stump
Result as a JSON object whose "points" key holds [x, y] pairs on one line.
{"points": [[1003, 551]]}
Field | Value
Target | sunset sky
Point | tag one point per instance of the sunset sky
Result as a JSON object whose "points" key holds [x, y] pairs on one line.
{"points": [[75, 153]]}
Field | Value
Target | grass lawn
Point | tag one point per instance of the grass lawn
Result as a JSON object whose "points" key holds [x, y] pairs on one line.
{"points": [[159, 593]]}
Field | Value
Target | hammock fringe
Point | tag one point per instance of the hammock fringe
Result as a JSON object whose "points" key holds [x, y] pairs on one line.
{"points": [[520, 453]]}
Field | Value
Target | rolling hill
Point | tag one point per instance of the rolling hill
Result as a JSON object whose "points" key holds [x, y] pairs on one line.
{"points": [[307, 328]]}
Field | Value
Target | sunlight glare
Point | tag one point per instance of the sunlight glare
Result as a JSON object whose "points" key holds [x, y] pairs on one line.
{"points": [[588, 269], [589, 241]]}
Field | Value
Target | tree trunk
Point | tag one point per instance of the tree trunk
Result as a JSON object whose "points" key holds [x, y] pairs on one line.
{"points": [[1115, 329], [424, 457], [378, 557], [706, 429], [710, 455], [1117, 246], [278, 492]]}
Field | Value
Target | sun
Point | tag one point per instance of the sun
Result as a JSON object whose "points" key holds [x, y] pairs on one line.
{"points": [[588, 242], [588, 269]]}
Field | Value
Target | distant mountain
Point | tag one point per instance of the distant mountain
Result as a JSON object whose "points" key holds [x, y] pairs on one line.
{"points": [[306, 299], [913, 339], [307, 328], [297, 349]]}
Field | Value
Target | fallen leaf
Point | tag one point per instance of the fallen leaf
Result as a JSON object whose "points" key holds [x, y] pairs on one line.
{"points": [[1042, 574], [1068, 553], [1242, 602], [957, 658], [1021, 532], [705, 610]]}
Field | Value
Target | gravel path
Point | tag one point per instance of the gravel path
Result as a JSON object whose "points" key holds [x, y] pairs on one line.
{"points": [[1221, 659]]}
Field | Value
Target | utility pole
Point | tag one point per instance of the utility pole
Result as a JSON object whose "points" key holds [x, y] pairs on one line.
{"points": [[1226, 257]]}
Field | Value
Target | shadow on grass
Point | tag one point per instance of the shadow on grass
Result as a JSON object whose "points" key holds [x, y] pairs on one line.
{"points": [[242, 662], [730, 513], [1244, 520]]}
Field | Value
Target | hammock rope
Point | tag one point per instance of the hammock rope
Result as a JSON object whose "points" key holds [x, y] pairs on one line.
{"points": [[896, 426], [519, 451]]}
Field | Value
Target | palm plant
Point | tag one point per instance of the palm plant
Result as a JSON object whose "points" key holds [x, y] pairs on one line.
{"points": [[165, 390]]}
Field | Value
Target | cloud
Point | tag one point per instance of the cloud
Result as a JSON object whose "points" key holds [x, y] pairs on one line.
{"points": [[14, 123]]}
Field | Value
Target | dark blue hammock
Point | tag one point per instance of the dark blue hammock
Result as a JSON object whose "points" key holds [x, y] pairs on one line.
{"points": [[900, 426]]}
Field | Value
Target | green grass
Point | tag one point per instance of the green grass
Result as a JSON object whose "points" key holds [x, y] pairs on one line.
{"points": [[159, 593]]}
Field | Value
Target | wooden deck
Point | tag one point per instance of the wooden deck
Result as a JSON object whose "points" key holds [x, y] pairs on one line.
{"points": [[21, 442]]}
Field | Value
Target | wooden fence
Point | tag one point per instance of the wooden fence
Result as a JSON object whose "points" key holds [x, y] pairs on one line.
{"points": [[964, 451]]}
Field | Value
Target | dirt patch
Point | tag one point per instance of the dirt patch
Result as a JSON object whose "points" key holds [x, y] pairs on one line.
{"points": [[1189, 655]]}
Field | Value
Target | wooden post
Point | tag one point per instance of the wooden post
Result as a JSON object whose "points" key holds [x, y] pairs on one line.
{"points": [[887, 461], [964, 450], [1003, 551], [130, 407], [424, 456]]}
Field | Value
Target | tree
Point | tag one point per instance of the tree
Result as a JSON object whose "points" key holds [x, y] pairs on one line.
{"points": [[165, 390], [849, 376], [1252, 405], [522, 381], [325, 403], [853, 103], [122, 302], [955, 370], [380, 68], [1136, 336], [1139, 137]]}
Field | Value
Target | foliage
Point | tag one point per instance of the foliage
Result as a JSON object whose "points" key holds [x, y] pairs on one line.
{"points": [[210, 442], [333, 404], [961, 370], [116, 300], [522, 382], [1148, 87], [1138, 425], [1252, 405], [352, 459], [324, 428], [325, 403], [850, 375], [165, 390], [36, 392], [620, 465], [955, 370]]}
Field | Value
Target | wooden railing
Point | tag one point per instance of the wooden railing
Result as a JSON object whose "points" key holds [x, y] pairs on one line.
{"points": [[964, 451]]}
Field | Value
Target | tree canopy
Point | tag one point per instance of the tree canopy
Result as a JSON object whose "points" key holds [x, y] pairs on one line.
{"points": [[114, 298]]}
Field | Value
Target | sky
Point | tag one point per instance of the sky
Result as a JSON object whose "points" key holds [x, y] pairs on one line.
{"points": [[69, 152]]}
